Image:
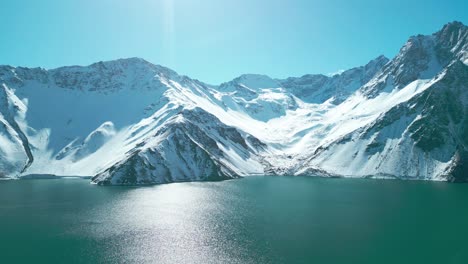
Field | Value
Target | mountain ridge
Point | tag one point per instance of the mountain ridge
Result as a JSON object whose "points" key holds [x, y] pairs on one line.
{"points": [[129, 121]]}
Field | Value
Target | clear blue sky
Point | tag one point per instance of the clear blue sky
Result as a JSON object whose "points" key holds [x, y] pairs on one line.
{"points": [[217, 40]]}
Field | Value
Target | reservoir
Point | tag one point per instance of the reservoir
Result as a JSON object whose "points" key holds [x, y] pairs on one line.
{"points": [[249, 220]]}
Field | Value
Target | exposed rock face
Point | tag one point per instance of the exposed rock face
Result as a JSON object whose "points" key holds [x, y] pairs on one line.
{"points": [[15, 151], [129, 122], [419, 138], [317, 88], [184, 149]]}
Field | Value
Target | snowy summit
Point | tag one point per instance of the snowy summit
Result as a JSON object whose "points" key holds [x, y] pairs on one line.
{"points": [[128, 122]]}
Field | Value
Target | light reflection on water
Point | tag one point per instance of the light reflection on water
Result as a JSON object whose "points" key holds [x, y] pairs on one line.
{"points": [[255, 220], [174, 223]]}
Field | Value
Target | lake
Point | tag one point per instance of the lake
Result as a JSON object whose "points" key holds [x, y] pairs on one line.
{"points": [[250, 220]]}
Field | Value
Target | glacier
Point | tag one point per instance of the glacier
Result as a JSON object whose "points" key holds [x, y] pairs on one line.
{"points": [[130, 122]]}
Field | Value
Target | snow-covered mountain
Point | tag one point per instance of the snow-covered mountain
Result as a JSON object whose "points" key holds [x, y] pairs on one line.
{"points": [[131, 122]]}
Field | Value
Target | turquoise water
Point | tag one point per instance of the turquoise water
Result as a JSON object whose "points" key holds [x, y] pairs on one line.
{"points": [[252, 220]]}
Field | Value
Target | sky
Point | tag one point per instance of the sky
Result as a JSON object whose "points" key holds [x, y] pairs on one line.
{"points": [[217, 40]]}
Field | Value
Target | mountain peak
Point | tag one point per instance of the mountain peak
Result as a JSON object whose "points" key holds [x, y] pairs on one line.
{"points": [[135, 65], [455, 25], [452, 32], [252, 76], [376, 64], [379, 59], [129, 121], [125, 62], [255, 81], [453, 39]]}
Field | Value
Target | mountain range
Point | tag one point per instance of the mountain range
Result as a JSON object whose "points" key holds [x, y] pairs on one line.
{"points": [[130, 122]]}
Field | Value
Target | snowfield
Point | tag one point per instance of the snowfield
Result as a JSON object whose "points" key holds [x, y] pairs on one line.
{"points": [[129, 122]]}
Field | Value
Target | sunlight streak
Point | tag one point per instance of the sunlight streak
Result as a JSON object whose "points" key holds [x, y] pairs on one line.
{"points": [[168, 30]]}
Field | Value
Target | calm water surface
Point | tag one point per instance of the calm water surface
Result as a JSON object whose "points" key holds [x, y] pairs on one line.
{"points": [[252, 220]]}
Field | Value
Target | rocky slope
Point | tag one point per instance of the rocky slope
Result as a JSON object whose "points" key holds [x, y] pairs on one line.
{"points": [[128, 121]]}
